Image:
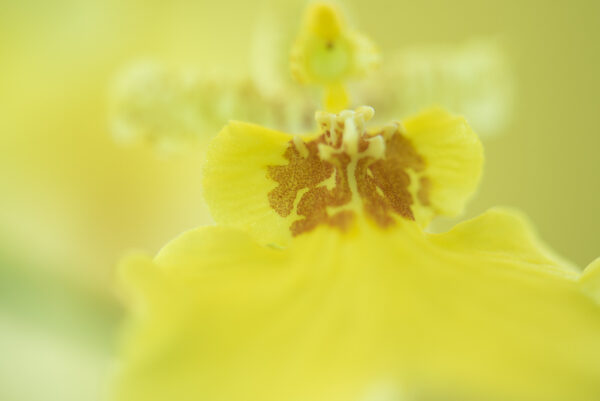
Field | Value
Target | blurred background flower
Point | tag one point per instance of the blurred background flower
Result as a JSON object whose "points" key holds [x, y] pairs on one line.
{"points": [[72, 200]]}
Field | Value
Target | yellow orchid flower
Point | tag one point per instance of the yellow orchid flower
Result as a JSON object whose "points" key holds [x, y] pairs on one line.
{"points": [[327, 53], [320, 284]]}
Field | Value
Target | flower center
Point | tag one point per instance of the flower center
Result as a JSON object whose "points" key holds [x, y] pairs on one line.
{"points": [[345, 133], [346, 170]]}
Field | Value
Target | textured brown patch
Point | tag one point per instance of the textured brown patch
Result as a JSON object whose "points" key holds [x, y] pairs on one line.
{"points": [[298, 174], [389, 174], [309, 173], [424, 190], [382, 184]]}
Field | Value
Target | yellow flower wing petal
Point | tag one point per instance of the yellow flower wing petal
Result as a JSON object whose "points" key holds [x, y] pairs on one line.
{"points": [[133, 274], [202, 307], [236, 182], [277, 185], [453, 158], [343, 317], [590, 280], [505, 234]]}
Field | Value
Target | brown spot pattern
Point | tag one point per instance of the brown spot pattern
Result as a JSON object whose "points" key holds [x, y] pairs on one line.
{"points": [[382, 184], [391, 177]]}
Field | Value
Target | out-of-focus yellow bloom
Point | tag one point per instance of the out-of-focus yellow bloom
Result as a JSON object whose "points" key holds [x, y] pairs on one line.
{"points": [[151, 104], [473, 79], [320, 283], [175, 111], [328, 54]]}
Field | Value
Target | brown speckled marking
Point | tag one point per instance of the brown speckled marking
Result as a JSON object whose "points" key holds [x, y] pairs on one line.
{"points": [[392, 179], [424, 190], [382, 184], [298, 174]]}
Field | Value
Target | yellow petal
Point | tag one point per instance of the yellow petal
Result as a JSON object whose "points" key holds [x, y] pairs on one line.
{"points": [[197, 288], [276, 185], [453, 158], [344, 316], [505, 234], [236, 183], [590, 280], [136, 274]]}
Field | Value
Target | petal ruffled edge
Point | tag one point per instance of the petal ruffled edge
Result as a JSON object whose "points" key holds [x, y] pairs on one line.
{"points": [[506, 234], [590, 280], [194, 270]]}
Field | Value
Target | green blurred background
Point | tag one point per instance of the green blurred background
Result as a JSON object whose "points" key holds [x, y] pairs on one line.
{"points": [[71, 201]]}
